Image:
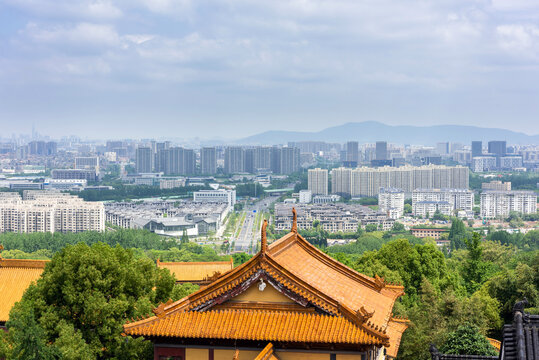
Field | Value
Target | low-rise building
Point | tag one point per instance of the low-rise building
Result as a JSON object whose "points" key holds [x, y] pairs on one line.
{"points": [[496, 185], [87, 174], [305, 196], [434, 233], [216, 196], [333, 217]]}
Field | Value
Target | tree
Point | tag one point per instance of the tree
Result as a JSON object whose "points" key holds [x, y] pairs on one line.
{"points": [[407, 208], [467, 340], [398, 227], [185, 238], [84, 297], [457, 234], [474, 267], [371, 227]]}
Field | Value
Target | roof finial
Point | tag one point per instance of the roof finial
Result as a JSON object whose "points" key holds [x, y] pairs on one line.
{"points": [[294, 220], [263, 239]]}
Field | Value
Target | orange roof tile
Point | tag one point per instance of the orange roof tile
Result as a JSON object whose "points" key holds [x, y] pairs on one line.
{"points": [[15, 277], [395, 329], [254, 325], [196, 271], [496, 343], [267, 353], [309, 277]]}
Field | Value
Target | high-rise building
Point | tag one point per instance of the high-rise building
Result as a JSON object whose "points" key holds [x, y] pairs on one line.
{"points": [[49, 211], [248, 160], [391, 201], [144, 160], [381, 150], [234, 160], [180, 161], [290, 160], [483, 163], [500, 203], [477, 148], [458, 200], [352, 154], [341, 181], [262, 158], [318, 181], [498, 148], [367, 181], [208, 160], [442, 148]]}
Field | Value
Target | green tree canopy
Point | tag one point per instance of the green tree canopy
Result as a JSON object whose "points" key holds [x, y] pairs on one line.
{"points": [[467, 340], [78, 307]]}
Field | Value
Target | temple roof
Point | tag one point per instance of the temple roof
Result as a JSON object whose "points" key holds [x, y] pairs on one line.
{"points": [[196, 272], [267, 353], [360, 305], [15, 277]]}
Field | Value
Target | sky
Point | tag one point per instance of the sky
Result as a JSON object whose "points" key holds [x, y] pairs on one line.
{"points": [[228, 69]]}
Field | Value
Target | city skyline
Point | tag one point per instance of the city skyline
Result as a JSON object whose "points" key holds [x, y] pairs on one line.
{"points": [[220, 69]]}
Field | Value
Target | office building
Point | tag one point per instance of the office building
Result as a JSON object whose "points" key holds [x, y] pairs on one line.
{"points": [[87, 162], [144, 160], [208, 161], [483, 163], [391, 201], [497, 148], [496, 204], [341, 181], [442, 148], [477, 148], [510, 162], [457, 202], [381, 150], [83, 174], [352, 154], [318, 181], [48, 211], [217, 196], [496, 185], [234, 160]]}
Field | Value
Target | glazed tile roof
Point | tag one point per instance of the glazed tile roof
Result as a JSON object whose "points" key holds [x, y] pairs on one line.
{"points": [[395, 329], [267, 353], [258, 325], [196, 271], [15, 277], [303, 273], [497, 344]]}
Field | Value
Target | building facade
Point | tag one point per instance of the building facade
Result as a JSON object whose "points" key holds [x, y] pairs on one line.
{"points": [[451, 202], [500, 203], [318, 181], [391, 201]]}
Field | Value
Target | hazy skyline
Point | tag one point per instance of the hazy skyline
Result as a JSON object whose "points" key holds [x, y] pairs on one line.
{"points": [[164, 68]]}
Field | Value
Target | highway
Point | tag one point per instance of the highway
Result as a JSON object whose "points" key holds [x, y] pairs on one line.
{"points": [[249, 236]]}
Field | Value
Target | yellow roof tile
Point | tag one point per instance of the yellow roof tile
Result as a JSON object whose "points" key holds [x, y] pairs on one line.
{"points": [[15, 277], [196, 271]]}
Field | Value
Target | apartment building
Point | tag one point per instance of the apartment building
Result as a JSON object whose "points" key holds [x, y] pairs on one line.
{"points": [[318, 181], [217, 196], [391, 201], [448, 201], [367, 181], [497, 185], [340, 181], [43, 211], [495, 203]]}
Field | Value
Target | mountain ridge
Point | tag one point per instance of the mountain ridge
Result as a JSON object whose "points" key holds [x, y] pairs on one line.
{"points": [[370, 131]]}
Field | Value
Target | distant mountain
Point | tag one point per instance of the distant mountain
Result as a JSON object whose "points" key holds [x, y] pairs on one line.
{"points": [[371, 131]]}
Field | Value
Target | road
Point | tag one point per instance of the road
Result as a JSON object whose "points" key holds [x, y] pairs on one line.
{"points": [[248, 237]]}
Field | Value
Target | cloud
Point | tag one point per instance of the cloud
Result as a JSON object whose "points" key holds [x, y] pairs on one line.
{"points": [[81, 34], [71, 9], [520, 39]]}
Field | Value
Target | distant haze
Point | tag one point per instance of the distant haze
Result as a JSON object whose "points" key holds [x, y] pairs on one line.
{"points": [[231, 69]]}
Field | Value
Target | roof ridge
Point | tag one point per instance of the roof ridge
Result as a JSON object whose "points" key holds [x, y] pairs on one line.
{"points": [[224, 262], [23, 263]]}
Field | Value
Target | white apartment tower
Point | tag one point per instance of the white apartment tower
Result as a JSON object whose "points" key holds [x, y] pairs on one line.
{"points": [[391, 201], [500, 203], [318, 181], [341, 181]]}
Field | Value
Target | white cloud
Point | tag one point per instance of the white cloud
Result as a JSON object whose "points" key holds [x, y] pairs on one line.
{"points": [[518, 38], [82, 34], [95, 10]]}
